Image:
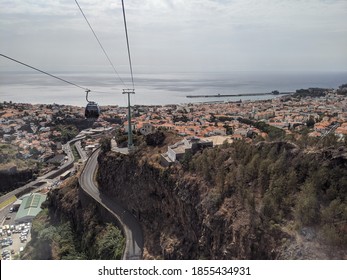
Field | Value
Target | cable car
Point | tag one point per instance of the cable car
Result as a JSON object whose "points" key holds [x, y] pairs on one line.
{"points": [[92, 110]]}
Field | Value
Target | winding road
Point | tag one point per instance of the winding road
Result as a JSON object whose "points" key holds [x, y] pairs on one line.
{"points": [[131, 228]]}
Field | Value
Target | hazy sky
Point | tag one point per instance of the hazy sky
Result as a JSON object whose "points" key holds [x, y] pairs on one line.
{"points": [[177, 35]]}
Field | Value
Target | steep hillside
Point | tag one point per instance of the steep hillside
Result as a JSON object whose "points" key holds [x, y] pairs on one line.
{"points": [[14, 171], [11, 180], [239, 201], [66, 230]]}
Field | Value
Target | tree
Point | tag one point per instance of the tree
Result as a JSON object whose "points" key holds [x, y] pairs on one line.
{"points": [[186, 160], [111, 244], [310, 122], [35, 152], [182, 118], [229, 130], [105, 144], [307, 206], [155, 139], [68, 132]]}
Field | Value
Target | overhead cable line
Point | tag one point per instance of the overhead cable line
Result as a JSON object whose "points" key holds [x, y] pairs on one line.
{"points": [[96, 37], [127, 38], [128, 91], [98, 91], [51, 75], [46, 73]]}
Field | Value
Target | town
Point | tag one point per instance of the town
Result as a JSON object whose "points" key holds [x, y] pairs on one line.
{"points": [[33, 136], [37, 132], [49, 143]]}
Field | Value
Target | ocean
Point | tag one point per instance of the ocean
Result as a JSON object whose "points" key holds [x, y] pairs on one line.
{"points": [[156, 88]]}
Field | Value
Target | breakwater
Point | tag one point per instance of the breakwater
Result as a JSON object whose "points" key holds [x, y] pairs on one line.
{"points": [[238, 94]]}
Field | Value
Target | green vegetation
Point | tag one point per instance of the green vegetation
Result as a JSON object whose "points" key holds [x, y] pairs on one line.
{"points": [[155, 139], [330, 141], [309, 189], [342, 90], [229, 130], [122, 139], [110, 244], [67, 132], [310, 122], [9, 157], [181, 118], [52, 240], [114, 119], [311, 92], [75, 153], [222, 118], [70, 233], [274, 133], [7, 153], [14, 171], [105, 144]]}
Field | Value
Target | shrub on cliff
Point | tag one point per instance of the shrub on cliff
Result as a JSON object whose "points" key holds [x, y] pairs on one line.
{"points": [[155, 139], [110, 244], [105, 144], [63, 230], [310, 189]]}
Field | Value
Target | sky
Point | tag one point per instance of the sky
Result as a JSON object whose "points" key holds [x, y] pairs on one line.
{"points": [[180, 35]]}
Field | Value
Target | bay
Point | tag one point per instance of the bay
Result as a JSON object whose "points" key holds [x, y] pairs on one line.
{"points": [[156, 88]]}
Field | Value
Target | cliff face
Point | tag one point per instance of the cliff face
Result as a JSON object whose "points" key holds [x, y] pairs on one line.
{"points": [[185, 215], [179, 214], [12, 180]]}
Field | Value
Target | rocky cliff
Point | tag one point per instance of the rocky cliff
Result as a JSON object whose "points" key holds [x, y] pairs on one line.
{"points": [[11, 180], [234, 202]]}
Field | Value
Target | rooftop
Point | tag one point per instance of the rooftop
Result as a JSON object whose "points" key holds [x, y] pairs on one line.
{"points": [[30, 207]]}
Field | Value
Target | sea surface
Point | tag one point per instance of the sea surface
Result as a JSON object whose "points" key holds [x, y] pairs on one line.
{"points": [[156, 88]]}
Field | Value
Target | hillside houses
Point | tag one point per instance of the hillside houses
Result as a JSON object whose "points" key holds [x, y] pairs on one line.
{"points": [[205, 120], [30, 128]]}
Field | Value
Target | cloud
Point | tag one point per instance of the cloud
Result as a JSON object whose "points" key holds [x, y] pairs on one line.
{"points": [[194, 34]]}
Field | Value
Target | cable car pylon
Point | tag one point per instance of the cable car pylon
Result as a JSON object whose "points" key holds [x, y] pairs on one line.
{"points": [[130, 134]]}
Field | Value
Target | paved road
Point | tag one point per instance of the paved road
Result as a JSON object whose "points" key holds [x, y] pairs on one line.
{"points": [[131, 228]]}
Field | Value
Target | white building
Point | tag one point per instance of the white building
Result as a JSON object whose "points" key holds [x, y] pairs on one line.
{"points": [[178, 150], [147, 128]]}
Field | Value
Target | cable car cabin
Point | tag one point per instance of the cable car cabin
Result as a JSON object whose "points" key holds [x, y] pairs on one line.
{"points": [[92, 110]]}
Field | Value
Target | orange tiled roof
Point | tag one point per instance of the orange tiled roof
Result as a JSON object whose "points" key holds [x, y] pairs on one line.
{"points": [[341, 130]]}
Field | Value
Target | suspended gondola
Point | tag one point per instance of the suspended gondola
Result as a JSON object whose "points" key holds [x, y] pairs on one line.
{"points": [[92, 111]]}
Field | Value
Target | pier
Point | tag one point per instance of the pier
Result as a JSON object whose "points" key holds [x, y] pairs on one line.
{"points": [[239, 94]]}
